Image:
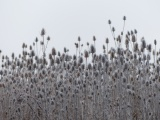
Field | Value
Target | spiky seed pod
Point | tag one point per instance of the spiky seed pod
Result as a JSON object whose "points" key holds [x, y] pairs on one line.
{"points": [[149, 47], [12, 55], [133, 38], [136, 47], [23, 45], [141, 49], [125, 67], [157, 69], [109, 22], [144, 57], [94, 38], [30, 47], [112, 55], [75, 63], [119, 38], [82, 66], [80, 60], [113, 29], [119, 51], [68, 66], [48, 38], [59, 54], [50, 56], [104, 47], [99, 65], [53, 51], [126, 43], [148, 57], [135, 31], [66, 58], [74, 57], [43, 32], [155, 42], [107, 40], [121, 33], [65, 50], [42, 43], [86, 54], [76, 44], [92, 49], [143, 43], [89, 66], [128, 33], [32, 53], [103, 59], [79, 39], [36, 40], [57, 60]]}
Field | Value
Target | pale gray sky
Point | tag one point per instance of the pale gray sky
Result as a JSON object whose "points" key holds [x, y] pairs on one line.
{"points": [[65, 20]]}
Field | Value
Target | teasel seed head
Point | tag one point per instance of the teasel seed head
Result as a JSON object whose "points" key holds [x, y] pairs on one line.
{"points": [[155, 42], [124, 18], [109, 22], [107, 40]]}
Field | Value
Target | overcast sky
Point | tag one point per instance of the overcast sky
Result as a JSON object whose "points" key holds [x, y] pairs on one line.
{"points": [[65, 20]]}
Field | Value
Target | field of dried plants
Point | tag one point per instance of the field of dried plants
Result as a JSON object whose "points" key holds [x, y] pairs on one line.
{"points": [[119, 84]]}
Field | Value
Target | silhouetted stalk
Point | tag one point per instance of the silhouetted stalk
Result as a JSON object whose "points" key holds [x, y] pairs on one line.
{"points": [[124, 19]]}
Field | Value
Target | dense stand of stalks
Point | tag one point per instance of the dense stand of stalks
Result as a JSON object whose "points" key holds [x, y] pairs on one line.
{"points": [[119, 84]]}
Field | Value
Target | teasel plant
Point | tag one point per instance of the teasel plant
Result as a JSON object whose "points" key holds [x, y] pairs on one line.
{"points": [[124, 19], [94, 40], [79, 39], [123, 84], [86, 55], [109, 22], [155, 54]]}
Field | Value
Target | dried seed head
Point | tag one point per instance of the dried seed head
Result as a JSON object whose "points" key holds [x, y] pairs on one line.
{"points": [[94, 38], [149, 47], [53, 51], [48, 38], [135, 31], [109, 22], [155, 42], [113, 29], [86, 54], [43, 32], [92, 49], [79, 39], [136, 47], [133, 38], [107, 40]]}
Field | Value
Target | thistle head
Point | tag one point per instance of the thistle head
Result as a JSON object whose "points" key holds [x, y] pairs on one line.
{"points": [[86, 54], [109, 22], [94, 38], [48, 38], [107, 40], [79, 39], [155, 42], [43, 32], [92, 49], [124, 18]]}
